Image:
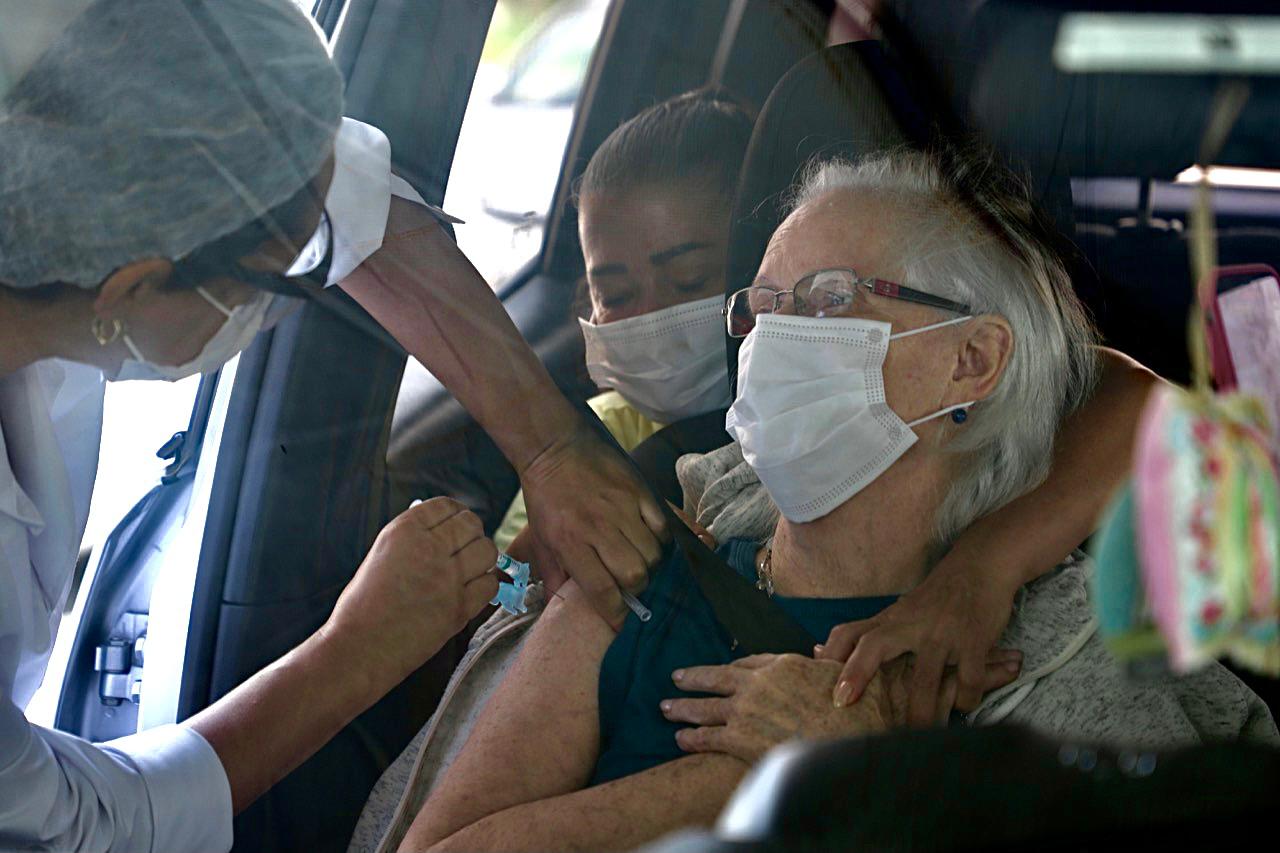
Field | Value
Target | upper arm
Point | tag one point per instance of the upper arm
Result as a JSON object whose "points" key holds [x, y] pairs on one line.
{"points": [[618, 815], [538, 735]]}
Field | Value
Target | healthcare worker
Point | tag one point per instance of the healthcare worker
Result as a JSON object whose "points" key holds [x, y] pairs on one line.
{"points": [[173, 174]]}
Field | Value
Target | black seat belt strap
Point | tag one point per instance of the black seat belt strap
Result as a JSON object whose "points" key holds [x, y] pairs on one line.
{"points": [[754, 620]]}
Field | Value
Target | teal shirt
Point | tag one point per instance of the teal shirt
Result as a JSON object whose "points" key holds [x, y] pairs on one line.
{"points": [[636, 672]]}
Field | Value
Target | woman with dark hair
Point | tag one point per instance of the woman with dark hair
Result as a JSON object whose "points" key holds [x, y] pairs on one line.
{"points": [[653, 218]]}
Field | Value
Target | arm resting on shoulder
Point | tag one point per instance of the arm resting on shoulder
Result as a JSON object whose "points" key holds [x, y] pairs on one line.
{"points": [[1091, 459]]}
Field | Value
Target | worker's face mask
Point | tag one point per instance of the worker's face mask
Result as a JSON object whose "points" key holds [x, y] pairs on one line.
{"points": [[669, 364], [811, 415], [238, 331]]}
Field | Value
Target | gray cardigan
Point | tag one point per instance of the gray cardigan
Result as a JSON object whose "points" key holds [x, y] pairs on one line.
{"points": [[1070, 686]]}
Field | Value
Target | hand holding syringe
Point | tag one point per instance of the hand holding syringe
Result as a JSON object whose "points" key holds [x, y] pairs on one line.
{"points": [[513, 587]]}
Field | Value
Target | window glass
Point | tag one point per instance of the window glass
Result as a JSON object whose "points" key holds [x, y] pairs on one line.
{"points": [[511, 145], [138, 418], [516, 126]]}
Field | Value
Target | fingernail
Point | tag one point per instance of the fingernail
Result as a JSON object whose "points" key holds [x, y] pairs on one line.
{"points": [[1013, 665], [844, 693], [817, 650], [678, 675], [665, 705]]}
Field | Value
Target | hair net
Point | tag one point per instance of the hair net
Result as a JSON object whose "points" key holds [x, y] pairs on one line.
{"points": [[151, 127]]}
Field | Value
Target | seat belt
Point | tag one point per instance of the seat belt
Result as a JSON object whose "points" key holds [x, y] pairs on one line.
{"points": [[657, 454], [754, 621]]}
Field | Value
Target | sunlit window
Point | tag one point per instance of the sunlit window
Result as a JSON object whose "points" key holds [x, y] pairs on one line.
{"points": [[1232, 176], [516, 127]]}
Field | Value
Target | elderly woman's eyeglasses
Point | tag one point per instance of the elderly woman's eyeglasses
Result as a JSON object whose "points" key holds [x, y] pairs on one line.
{"points": [[825, 293]]}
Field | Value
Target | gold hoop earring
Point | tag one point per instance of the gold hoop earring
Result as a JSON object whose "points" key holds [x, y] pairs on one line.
{"points": [[106, 334]]}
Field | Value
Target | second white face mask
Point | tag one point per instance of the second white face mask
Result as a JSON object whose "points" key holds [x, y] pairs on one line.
{"points": [[238, 331], [811, 415], [669, 364]]}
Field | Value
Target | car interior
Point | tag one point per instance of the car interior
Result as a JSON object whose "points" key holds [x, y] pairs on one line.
{"points": [[322, 435]]}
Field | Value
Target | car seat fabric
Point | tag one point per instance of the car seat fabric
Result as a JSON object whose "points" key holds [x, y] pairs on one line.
{"points": [[1053, 626], [840, 101]]}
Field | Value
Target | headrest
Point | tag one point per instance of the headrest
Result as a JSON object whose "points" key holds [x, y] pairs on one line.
{"points": [[841, 101]]}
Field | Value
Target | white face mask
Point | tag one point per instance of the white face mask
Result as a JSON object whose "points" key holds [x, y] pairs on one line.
{"points": [[242, 324], [811, 416], [669, 364]]}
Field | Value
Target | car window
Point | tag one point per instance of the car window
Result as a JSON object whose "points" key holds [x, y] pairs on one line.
{"points": [[551, 69], [517, 123], [138, 418], [511, 145]]}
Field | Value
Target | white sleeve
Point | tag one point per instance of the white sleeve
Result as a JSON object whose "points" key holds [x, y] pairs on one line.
{"points": [[160, 791], [359, 196]]}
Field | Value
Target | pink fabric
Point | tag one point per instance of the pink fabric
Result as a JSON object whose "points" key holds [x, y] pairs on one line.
{"points": [[1153, 469]]}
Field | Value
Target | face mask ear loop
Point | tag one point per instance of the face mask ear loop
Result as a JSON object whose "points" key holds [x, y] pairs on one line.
{"points": [[209, 297], [132, 347], [960, 407], [930, 327]]}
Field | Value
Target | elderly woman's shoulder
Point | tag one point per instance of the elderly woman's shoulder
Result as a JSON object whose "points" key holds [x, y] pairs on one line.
{"points": [[1073, 687]]}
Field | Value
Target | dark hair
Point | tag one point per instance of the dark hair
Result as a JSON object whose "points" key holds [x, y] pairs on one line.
{"points": [[697, 138], [222, 256]]}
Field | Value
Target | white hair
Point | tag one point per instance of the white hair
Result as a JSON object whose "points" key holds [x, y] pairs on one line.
{"points": [[970, 232]]}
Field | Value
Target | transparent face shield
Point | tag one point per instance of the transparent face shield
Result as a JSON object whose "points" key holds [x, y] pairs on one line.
{"points": [[223, 258]]}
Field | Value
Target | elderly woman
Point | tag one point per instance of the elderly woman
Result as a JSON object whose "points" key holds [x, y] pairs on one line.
{"points": [[882, 418]]}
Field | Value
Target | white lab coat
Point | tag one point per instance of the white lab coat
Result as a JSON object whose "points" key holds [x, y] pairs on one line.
{"points": [[163, 790]]}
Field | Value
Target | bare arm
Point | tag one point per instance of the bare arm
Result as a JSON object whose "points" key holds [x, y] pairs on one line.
{"points": [[1091, 460], [587, 505], [619, 815], [539, 735], [425, 576], [518, 783], [423, 290]]}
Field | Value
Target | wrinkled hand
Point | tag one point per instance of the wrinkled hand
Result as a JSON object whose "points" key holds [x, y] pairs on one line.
{"points": [[766, 700], [597, 519], [427, 574], [954, 619]]}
